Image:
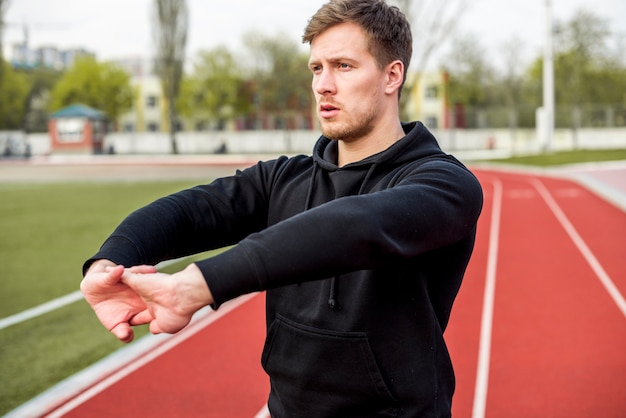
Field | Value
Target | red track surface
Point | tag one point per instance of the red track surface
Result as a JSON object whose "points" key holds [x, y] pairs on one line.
{"points": [[554, 344]]}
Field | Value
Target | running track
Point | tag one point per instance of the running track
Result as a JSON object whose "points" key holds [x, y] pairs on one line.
{"points": [[538, 329]]}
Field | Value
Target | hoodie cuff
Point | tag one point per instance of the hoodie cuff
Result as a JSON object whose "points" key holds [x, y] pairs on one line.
{"points": [[119, 251], [230, 274]]}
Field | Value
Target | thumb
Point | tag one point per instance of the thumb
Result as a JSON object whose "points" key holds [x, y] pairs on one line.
{"points": [[123, 332], [130, 278], [142, 318], [114, 275], [143, 269]]}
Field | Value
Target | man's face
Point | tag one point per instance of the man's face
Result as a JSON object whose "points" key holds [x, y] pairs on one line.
{"points": [[347, 83]]}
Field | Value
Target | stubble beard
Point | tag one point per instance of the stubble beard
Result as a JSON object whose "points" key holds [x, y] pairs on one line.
{"points": [[350, 130]]}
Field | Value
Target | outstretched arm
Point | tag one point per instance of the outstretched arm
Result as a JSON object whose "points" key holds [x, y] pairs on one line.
{"points": [[113, 301]]}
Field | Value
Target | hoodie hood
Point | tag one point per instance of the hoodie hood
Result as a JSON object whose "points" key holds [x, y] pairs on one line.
{"points": [[417, 143]]}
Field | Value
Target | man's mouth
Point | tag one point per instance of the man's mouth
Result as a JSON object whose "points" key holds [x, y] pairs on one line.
{"points": [[328, 111]]}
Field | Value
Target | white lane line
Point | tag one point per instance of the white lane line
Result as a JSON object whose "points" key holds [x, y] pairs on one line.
{"points": [[263, 413], [208, 316], [79, 388], [57, 303], [484, 349], [591, 259], [41, 309]]}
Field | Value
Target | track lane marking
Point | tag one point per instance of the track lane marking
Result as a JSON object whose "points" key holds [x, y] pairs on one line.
{"points": [[484, 349], [58, 303], [42, 309], [263, 413], [208, 317], [591, 259]]}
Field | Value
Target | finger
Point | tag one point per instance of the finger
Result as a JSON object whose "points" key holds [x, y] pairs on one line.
{"points": [[143, 269], [100, 266], [114, 275], [135, 281], [143, 317], [123, 332], [128, 277]]}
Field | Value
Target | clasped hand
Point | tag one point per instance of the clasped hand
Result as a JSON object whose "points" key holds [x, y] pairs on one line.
{"points": [[122, 298]]}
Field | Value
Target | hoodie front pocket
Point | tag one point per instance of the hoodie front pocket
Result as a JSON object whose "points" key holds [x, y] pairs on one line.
{"points": [[316, 372]]}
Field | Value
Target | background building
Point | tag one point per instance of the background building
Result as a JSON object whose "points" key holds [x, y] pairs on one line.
{"points": [[427, 99], [22, 56]]}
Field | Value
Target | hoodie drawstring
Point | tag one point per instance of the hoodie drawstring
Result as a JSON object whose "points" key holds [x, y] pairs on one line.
{"points": [[332, 297], [309, 195], [369, 174], [333, 300]]}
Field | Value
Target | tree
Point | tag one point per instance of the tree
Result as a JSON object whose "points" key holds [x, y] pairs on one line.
{"points": [[471, 76], [587, 71], [13, 95], [214, 87], [513, 77], [509, 86], [4, 4], [103, 86], [282, 81], [41, 81], [581, 46], [432, 23], [171, 22]]}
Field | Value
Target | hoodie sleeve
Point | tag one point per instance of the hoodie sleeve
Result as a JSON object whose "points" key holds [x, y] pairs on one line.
{"points": [[434, 205], [191, 221]]}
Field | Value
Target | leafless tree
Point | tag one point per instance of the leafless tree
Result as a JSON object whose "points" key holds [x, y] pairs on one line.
{"points": [[171, 23], [511, 51], [4, 5], [432, 23]]}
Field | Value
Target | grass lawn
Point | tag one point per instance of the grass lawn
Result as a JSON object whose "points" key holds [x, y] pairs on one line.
{"points": [[48, 230], [566, 157]]}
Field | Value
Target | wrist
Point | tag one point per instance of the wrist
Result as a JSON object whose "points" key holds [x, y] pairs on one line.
{"points": [[198, 291], [100, 265]]}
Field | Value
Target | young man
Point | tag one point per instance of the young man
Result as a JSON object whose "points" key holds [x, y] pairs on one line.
{"points": [[361, 247]]}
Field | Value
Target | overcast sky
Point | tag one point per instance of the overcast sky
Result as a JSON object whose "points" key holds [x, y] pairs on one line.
{"points": [[122, 28]]}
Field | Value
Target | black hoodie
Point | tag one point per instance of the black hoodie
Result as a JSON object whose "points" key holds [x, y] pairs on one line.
{"points": [[361, 265]]}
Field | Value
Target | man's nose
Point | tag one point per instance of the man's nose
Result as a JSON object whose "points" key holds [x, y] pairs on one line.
{"points": [[324, 83]]}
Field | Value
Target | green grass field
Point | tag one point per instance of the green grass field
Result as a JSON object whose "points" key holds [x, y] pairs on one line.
{"points": [[566, 157], [48, 230]]}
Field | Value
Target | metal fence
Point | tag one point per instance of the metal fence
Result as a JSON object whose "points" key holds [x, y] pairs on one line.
{"points": [[573, 117]]}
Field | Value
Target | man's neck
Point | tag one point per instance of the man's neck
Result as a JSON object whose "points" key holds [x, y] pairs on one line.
{"points": [[377, 141]]}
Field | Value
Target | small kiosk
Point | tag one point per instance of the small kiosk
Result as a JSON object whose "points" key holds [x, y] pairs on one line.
{"points": [[77, 129]]}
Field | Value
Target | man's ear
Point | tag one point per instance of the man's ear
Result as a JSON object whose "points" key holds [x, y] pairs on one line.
{"points": [[395, 76]]}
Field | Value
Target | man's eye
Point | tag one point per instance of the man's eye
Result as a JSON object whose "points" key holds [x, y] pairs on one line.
{"points": [[344, 66]]}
